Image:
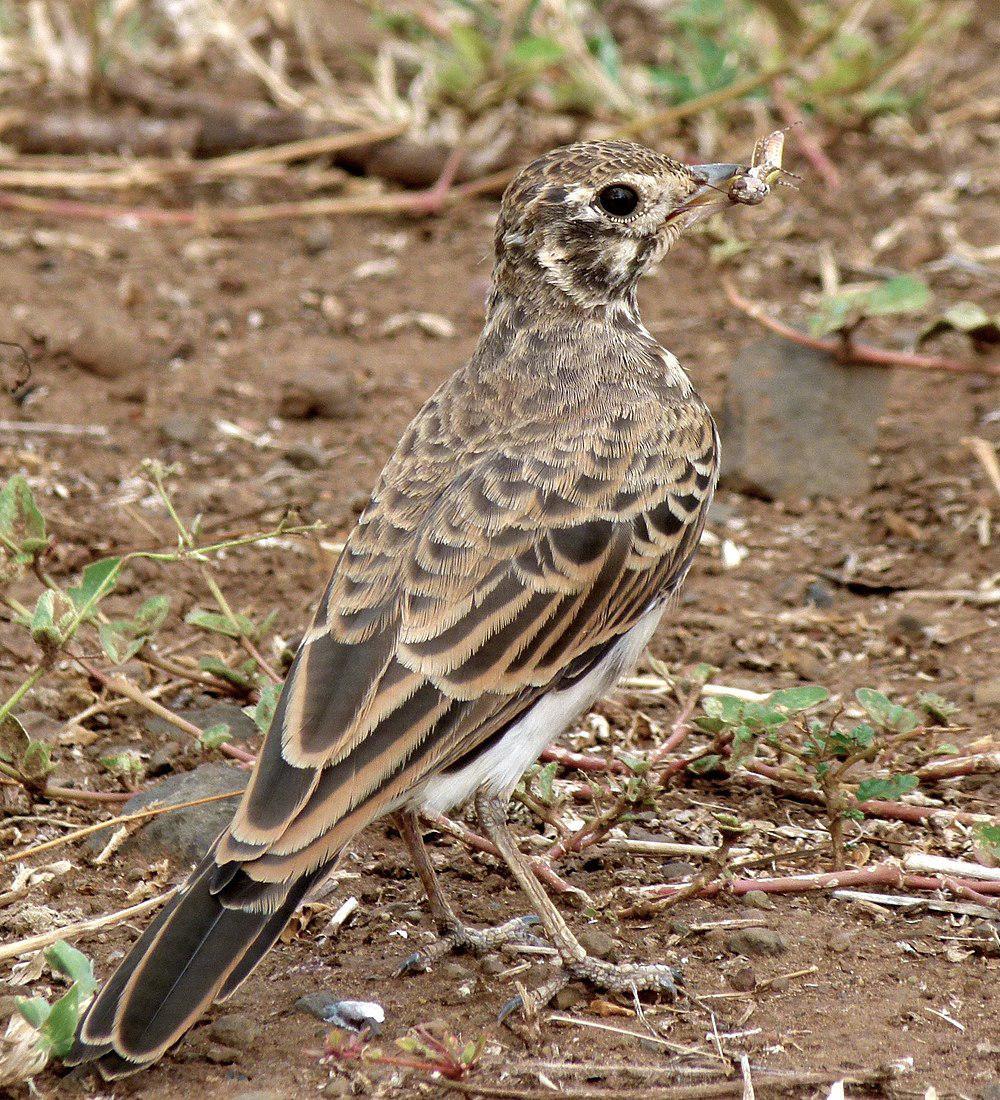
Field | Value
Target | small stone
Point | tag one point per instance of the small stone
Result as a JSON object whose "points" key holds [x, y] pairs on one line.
{"points": [[756, 941], [304, 456], [676, 870], [991, 1091], [182, 834], [183, 429], [319, 392], [595, 941], [492, 965], [987, 692], [743, 980], [569, 997], [818, 594], [841, 942], [319, 237], [337, 1086], [455, 971], [796, 423], [108, 348], [241, 726], [232, 1031], [221, 1055], [758, 899]]}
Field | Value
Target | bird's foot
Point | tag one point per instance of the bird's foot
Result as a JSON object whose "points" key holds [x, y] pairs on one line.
{"points": [[630, 978], [479, 941]]}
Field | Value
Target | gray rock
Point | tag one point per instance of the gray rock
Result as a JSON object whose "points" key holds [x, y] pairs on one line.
{"points": [[991, 1091], [183, 834], [319, 392], [987, 692], [796, 423], [758, 899], [595, 941], [756, 941], [569, 997], [241, 725], [182, 428], [233, 1031]]}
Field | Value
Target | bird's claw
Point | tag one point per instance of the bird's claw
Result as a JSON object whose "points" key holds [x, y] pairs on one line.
{"points": [[477, 940]]}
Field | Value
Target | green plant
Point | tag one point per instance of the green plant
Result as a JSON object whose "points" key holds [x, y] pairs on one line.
{"points": [[56, 1022], [822, 753], [845, 310], [59, 612]]}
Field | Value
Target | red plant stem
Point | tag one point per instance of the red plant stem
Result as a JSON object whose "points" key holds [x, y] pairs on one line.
{"points": [[961, 765], [889, 811], [70, 794], [848, 351], [679, 730], [811, 148], [543, 872], [882, 874], [583, 762]]}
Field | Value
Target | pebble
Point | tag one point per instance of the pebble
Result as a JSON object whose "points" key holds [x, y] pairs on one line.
{"points": [[818, 594], [991, 1091], [569, 997], [184, 834], [304, 456], [743, 980], [796, 423], [319, 392], [108, 349], [758, 899], [492, 965], [987, 692], [221, 1055], [233, 1031], [319, 237], [455, 971], [756, 941], [841, 942], [183, 429], [595, 941]]}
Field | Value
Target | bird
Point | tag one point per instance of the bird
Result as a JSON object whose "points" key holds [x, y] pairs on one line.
{"points": [[518, 551]]}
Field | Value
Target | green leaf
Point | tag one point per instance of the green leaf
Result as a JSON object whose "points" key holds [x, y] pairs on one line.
{"points": [[34, 1009], [892, 788], [60, 1027], [241, 677], [43, 628], [536, 51], [36, 761], [98, 579], [727, 708], [937, 706], [886, 713], [798, 699], [263, 712], [152, 615], [128, 764], [14, 740], [214, 736], [709, 725], [989, 837], [73, 964], [900, 294], [705, 764], [545, 778], [22, 525], [213, 622]]}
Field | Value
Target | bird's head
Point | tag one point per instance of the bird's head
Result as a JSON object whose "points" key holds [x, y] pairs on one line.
{"points": [[588, 219]]}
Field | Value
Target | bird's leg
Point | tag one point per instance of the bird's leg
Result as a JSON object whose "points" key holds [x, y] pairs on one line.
{"points": [[455, 936], [576, 963]]}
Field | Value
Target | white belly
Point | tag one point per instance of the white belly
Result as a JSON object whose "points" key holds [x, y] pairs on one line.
{"points": [[503, 764]]}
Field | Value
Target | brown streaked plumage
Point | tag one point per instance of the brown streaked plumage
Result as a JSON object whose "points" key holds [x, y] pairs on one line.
{"points": [[517, 552]]}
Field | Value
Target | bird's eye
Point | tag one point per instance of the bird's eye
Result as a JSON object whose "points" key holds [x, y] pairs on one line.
{"points": [[618, 200]]}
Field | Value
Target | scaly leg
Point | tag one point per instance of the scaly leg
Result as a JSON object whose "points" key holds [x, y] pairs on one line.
{"points": [[455, 936], [616, 977]]}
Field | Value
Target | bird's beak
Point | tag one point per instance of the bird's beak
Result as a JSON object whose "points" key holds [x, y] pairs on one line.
{"points": [[714, 180]]}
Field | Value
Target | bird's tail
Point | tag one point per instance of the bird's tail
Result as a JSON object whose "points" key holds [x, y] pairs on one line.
{"points": [[198, 950]]}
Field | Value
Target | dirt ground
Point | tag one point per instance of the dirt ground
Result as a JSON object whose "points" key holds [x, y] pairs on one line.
{"points": [[218, 326]]}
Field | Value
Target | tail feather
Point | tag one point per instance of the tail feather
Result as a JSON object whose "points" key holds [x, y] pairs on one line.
{"points": [[197, 950]]}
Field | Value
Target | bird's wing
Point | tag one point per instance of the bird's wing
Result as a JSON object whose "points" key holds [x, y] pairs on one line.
{"points": [[460, 598]]}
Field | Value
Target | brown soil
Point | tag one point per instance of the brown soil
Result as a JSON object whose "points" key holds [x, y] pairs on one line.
{"points": [[218, 325]]}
